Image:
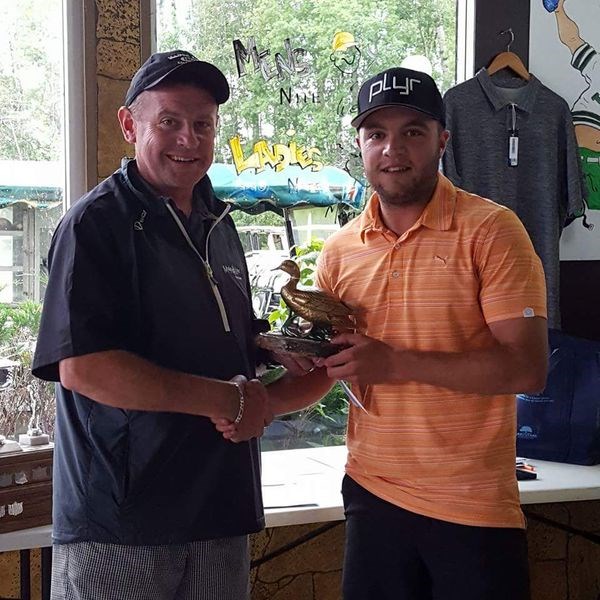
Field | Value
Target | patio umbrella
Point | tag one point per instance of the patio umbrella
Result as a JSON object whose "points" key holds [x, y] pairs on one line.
{"points": [[36, 183], [288, 188]]}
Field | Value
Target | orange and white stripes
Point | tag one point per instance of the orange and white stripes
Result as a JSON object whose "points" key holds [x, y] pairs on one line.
{"points": [[466, 262]]}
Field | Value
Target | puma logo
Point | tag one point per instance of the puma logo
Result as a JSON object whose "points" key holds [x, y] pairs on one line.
{"points": [[440, 259]]}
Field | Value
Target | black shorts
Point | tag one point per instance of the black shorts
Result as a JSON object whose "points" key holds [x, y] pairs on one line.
{"points": [[394, 554]]}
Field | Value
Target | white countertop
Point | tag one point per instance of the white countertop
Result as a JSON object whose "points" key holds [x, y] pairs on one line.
{"points": [[303, 486]]}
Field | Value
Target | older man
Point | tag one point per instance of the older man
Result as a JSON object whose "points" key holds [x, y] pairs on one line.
{"points": [[148, 328]]}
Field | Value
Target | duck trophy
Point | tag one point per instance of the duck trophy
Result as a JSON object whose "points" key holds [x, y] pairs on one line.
{"points": [[314, 318]]}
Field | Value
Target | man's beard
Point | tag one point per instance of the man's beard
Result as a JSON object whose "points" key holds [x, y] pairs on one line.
{"points": [[416, 192]]}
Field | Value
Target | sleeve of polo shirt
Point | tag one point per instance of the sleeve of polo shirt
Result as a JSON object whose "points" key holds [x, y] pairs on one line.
{"points": [[86, 303], [511, 275], [322, 279]]}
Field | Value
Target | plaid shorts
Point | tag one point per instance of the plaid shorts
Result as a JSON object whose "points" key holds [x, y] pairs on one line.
{"points": [[206, 570]]}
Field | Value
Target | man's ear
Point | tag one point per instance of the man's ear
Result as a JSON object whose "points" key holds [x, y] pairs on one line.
{"points": [[444, 137], [127, 124]]}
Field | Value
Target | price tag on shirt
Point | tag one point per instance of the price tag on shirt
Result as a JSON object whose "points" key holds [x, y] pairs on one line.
{"points": [[513, 149]]}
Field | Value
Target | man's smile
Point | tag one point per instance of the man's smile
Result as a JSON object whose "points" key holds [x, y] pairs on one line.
{"points": [[395, 169], [181, 159]]}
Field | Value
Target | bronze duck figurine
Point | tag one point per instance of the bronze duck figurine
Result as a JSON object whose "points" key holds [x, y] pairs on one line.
{"points": [[325, 313]]}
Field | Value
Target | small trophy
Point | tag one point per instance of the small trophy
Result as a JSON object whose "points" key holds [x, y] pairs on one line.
{"points": [[315, 317]]}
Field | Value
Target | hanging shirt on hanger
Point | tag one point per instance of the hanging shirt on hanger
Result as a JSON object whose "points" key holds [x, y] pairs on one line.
{"points": [[513, 141]]}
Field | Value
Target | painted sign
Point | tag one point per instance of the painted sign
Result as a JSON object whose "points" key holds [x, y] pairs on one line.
{"points": [[277, 156], [281, 66]]}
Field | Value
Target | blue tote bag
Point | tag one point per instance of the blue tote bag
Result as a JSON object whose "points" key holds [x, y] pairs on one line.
{"points": [[562, 423]]}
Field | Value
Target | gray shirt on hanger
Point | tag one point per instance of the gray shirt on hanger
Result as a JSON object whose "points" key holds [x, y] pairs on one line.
{"points": [[544, 188]]}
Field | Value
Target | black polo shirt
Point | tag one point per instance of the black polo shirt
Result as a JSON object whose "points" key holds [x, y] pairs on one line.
{"points": [[123, 276]]}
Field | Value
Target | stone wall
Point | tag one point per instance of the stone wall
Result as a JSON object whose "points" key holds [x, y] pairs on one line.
{"points": [[563, 566], [310, 571], [118, 56], [9, 575]]}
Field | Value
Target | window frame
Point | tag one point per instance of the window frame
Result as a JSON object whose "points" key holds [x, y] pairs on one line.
{"points": [[465, 40], [80, 99]]}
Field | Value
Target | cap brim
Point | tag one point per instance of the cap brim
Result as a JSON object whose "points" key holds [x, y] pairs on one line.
{"points": [[357, 121], [206, 75]]}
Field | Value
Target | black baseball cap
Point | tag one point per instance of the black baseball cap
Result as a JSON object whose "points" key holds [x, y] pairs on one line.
{"points": [[400, 87], [163, 64]]}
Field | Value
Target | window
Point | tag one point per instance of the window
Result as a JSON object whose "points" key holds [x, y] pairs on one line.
{"points": [[285, 151], [31, 151], [32, 192]]}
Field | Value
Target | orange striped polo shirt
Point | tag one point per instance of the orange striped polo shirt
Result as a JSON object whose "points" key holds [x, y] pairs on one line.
{"points": [[465, 263]]}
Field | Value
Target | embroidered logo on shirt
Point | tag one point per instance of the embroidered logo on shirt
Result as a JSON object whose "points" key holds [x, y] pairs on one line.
{"points": [[232, 270], [440, 259], [139, 224], [528, 312]]}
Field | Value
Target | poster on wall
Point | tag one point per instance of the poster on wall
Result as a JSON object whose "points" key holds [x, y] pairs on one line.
{"points": [[564, 54]]}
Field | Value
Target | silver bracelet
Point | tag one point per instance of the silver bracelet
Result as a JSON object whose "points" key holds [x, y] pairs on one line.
{"points": [[240, 414]]}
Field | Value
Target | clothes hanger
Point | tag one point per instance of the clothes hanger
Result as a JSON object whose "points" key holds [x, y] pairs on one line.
{"points": [[508, 60]]}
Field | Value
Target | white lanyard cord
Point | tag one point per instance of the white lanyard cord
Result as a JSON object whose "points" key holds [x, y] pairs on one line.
{"points": [[207, 267]]}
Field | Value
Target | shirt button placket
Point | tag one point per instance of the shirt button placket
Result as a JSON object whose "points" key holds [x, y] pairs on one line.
{"points": [[395, 260], [394, 287]]}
